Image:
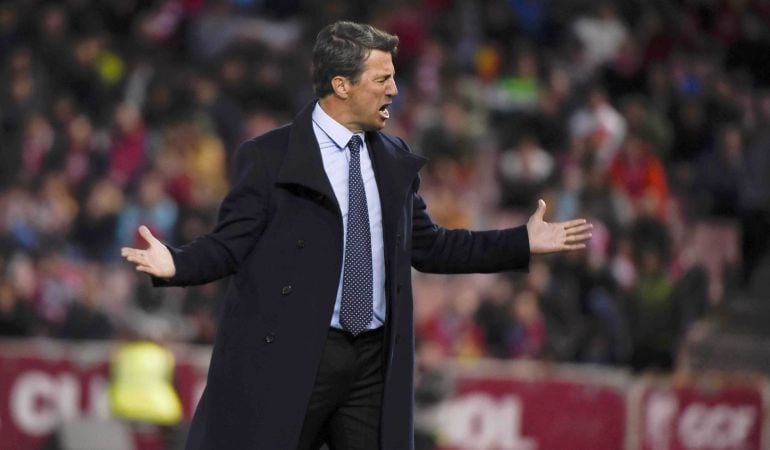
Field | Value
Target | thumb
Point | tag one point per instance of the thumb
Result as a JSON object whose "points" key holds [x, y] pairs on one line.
{"points": [[147, 235], [540, 212]]}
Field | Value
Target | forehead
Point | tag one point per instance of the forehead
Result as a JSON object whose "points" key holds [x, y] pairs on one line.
{"points": [[379, 61]]}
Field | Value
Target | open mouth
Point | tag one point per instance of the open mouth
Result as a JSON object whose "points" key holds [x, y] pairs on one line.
{"points": [[384, 111]]}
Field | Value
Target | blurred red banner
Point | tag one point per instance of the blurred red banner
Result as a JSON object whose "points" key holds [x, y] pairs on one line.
{"points": [[45, 385], [489, 405], [548, 411], [685, 418]]}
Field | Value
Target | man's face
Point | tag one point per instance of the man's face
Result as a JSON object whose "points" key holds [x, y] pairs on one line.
{"points": [[369, 98]]}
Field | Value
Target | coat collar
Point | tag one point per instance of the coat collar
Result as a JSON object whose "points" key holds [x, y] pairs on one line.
{"points": [[302, 164], [395, 168]]}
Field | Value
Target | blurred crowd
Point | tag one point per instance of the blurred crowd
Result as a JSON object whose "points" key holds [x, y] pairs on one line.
{"points": [[649, 118]]}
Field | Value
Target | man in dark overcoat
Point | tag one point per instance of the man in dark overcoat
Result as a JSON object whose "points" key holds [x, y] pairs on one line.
{"points": [[319, 232]]}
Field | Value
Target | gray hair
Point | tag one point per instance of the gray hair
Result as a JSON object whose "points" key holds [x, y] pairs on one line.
{"points": [[341, 49]]}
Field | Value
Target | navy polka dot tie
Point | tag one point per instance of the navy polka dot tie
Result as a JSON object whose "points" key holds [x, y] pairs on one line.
{"points": [[356, 307]]}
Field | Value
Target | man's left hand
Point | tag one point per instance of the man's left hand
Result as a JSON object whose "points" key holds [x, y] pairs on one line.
{"points": [[547, 237]]}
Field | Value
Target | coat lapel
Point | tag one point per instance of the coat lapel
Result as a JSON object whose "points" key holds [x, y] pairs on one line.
{"points": [[302, 165], [395, 170]]}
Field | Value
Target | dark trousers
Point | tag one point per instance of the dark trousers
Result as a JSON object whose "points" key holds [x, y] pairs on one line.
{"points": [[344, 408]]}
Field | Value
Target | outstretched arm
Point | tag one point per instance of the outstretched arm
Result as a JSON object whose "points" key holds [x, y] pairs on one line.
{"points": [[155, 260], [242, 217], [439, 250]]}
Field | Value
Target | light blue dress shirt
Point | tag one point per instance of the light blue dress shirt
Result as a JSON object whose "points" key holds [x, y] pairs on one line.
{"points": [[333, 139]]}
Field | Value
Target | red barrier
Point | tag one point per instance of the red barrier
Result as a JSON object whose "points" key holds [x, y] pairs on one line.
{"points": [[490, 406], [44, 384], [534, 410], [686, 418]]}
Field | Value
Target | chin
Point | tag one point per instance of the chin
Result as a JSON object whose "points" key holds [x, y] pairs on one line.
{"points": [[374, 126]]}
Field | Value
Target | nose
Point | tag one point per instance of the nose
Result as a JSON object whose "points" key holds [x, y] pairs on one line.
{"points": [[392, 90]]}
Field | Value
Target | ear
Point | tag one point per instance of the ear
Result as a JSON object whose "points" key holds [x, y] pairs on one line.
{"points": [[340, 86]]}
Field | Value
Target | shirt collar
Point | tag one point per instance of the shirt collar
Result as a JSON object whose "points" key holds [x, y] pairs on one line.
{"points": [[335, 130]]}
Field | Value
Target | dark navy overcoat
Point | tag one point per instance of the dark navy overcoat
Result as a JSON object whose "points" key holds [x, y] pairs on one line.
{"points": [[279, 235]]}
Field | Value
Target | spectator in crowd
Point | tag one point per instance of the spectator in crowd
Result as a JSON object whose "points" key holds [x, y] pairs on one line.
{"points": [[601, 34], [721, 173], [653, 312], [98, 219], [638, 175], [455, 329], [84, 318], [153, 208], [560, 303], [492, 316], [524, 172], [600, 125], [527, 336], [127, 152], [15, 314]]}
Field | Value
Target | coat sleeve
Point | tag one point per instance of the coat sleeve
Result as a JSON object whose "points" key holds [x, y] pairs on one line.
{"points": [[439, 250], [241, 220]]}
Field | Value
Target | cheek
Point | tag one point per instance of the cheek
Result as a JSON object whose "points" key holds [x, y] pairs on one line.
{"points": [[370, 105]]}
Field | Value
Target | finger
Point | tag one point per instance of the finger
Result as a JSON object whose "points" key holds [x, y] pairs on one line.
{"points": [[125, 251], [540, 212], [147, 235], [574, 246], [574, 223], [580, 229], [579, 238], [136, 259], [135, 254]]}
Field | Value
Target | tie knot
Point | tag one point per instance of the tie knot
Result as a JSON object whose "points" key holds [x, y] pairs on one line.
{"points": [[355, 144]]}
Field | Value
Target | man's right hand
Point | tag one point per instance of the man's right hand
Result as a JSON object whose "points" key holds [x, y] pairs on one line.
{"points": [[155, 260]]}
